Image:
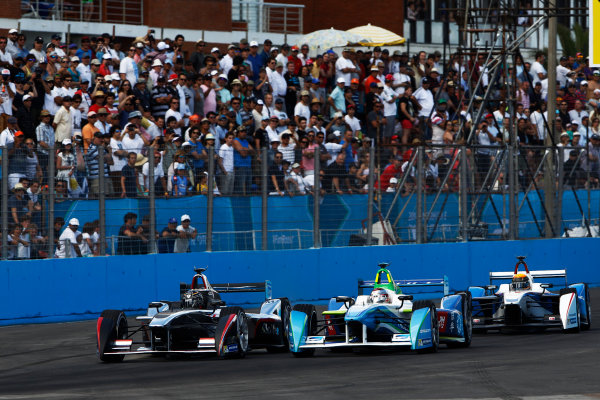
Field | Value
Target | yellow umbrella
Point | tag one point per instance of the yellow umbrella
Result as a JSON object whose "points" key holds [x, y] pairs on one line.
{"points": [[377, 36]]}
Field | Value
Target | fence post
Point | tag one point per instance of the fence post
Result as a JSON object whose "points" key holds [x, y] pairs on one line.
{"points": [[317, 199], [101, 200], [370, 196], [210, 198], [152, 200], [265, 194], [419, 214], [463, 193], [4, 203], [512, 193], [51, 199]]}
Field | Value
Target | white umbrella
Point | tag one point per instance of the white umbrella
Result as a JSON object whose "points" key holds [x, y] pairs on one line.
{"points": [[377, 36], [324, 39]]}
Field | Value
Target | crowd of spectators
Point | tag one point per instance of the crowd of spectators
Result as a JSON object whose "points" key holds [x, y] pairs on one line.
{"points": [[100, 102]]}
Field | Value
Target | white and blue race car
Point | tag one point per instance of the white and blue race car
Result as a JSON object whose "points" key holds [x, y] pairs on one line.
{"points": [[386, 318], [526, 304]]}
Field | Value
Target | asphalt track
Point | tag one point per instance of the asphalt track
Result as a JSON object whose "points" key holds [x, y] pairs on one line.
{"points": [[58, 361]]}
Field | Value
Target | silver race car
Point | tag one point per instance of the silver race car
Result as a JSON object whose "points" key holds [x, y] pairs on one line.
{"points": [[200, 322], [525, 303]]}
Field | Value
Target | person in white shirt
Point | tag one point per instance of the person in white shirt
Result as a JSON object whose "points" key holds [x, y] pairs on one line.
{"points": [[226, 155], [294, 184], [562, 72], [351, 120], [344, 67], [302, 109], [278, 82], [226, 62], [282, 58], [268, 108], [389, 97], [537, 69], [160, 183], [173, 112], [272, 134], [185, 232], [69, 237], [11, 45], [333, 146], [6, 59], [128, 68], [425, 98], [133, 141]]}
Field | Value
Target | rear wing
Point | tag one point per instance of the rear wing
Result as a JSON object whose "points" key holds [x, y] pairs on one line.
{"points": [[547, 274], [245, 287], [410, 283]]}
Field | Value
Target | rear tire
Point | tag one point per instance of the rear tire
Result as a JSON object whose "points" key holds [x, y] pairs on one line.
{"points": [[231, 341], [311, 328], [112, 325], [467, 314], [286, 309], [435, 333]]}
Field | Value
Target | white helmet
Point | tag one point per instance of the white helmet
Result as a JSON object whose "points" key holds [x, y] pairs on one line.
{"points": [[380, 296]]}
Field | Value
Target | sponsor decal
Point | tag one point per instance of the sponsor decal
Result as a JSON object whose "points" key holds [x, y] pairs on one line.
{"points": [[573, 320], [442, 323], [426, 342], [231, 348], [476, 320], [552, 318], [425, 331], [315, 339]]}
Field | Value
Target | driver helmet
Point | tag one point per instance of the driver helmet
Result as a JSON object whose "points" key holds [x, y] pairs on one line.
{"points": [[520, 282], [380, 296]]}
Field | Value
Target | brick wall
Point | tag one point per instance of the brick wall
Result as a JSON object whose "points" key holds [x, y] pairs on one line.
{"points": [[346, 14], [212, 15], [10, 9]]}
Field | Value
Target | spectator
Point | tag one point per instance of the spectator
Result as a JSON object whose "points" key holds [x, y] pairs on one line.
{"points": [[336, 178], [181, 182], [63, 121], [68, 246], [166, 242], [92, 159], [242, 162], [185, 233], [130, 238], [130, 184]]}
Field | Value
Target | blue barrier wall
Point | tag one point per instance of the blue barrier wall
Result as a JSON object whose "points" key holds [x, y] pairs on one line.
{"points": [[58, 290], [290, 220]]}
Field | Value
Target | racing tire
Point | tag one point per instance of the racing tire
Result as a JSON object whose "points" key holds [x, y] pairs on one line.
{"points": [[112, 325], [467, 314], [588, 308], [286, 309], [231, 334], [311, 311], [578, 328], [435, 333]]}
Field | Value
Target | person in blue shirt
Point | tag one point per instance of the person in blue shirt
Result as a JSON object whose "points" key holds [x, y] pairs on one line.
{"points": [[181, 182], [197, 153]]}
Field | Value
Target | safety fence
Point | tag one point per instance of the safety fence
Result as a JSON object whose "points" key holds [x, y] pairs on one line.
{"points": [[109, 11], [385, 195]]}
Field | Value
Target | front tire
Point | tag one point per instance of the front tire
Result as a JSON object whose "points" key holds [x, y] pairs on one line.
{"points": [[112, 325], [231, 335]]}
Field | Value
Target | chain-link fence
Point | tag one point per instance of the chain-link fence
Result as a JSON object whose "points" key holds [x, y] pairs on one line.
{"points": [[190, 196]]}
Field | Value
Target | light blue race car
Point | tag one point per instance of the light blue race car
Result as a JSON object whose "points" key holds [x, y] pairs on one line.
{"points": [[385, 318]]}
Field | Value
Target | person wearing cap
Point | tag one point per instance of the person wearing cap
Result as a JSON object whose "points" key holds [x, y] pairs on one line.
{"points": [[389, 98], [63, 121], [344, 68], [226, 62], [89, 129], [295, 60], [226, 164], [302, 108], [45, 137], [185, 233], [337, 99], [255, 60], [69, 238], [166, 243], [12, 45], [294, 183]]}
